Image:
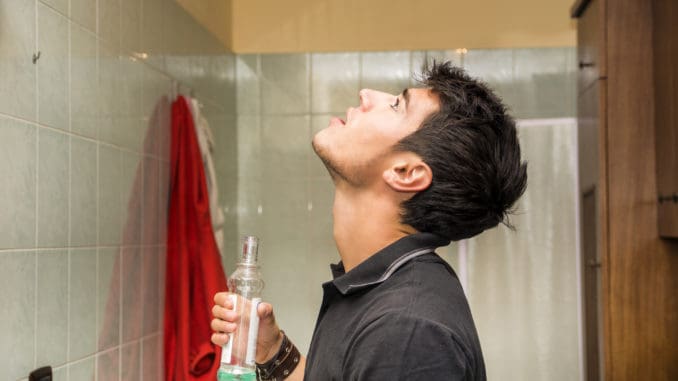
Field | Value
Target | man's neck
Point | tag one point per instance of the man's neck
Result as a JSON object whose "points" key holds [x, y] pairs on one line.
{"points": [[364, 223]]}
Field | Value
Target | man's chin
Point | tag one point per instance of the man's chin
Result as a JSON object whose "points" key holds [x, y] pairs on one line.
{"points": [[321, 153], [317, 149]]}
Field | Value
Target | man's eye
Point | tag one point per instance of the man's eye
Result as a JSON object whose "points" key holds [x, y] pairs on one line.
{"points": [[395, 105]]}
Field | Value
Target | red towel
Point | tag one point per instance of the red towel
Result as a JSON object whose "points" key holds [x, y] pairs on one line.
{"points": [[194, 271]]}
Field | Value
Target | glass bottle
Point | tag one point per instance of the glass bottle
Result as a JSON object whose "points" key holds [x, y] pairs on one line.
{"points": [[245, 285]]}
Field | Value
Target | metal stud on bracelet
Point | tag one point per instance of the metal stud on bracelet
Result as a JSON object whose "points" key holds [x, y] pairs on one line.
{"points": [[282, 364]]}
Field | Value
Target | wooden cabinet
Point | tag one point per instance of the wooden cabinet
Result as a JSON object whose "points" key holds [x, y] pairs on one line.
{"points": [[590, 43], [666, 113], [589, 131], [625, 132], [591, 137]]}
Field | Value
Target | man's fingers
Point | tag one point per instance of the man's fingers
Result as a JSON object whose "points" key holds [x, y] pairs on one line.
{"points": [[223, 299], [221, 326], [224, 313], [219, 338]]}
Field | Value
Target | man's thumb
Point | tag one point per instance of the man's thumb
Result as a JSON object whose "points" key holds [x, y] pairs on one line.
{"points": [[265, 311]]}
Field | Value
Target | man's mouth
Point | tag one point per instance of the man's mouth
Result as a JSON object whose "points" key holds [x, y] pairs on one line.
{"points": [[337, 120]]}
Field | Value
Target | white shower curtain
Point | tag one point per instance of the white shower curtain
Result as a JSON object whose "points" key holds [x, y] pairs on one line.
{"points": [[523, 285]]}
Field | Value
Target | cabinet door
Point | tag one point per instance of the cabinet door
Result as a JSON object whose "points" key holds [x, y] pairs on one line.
{"points": [[665, 45], [591, 286], [590, 44], [592, 194], [588, 137]]}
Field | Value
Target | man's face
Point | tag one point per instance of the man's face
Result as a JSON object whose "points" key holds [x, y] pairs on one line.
{"points": [[355, 149]]}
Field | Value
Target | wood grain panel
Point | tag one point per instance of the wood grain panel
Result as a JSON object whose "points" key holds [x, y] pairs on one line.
{"points": [[665, 44], [588, 140], [603, 218], [589, 136], [591, 286], [640, 307], [590, 44]]}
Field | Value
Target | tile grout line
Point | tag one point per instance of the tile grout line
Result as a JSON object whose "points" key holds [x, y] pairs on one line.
{"points": [[97, 322], [69, 240], [68, 309], [70, 74], [35, 253], [37, 198], [97, 196], [68, 201], [68, 222], [36, 50], [84, 247], [94, 355], [83, 137], [277, 114], [95, 376]]}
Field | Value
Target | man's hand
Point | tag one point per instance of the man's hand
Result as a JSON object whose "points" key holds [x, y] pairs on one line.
{"points": [[225, 320]]}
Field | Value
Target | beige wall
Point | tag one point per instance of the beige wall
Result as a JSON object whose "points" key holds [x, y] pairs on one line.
{"points": [[214, 15], [259, 26]]}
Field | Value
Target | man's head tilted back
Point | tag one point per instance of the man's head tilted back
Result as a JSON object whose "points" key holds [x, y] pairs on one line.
{"points": [[472, 147], [451, 148]]}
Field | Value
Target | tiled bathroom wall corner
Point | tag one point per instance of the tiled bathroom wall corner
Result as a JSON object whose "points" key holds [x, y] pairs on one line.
{"points": [[84, 157]]}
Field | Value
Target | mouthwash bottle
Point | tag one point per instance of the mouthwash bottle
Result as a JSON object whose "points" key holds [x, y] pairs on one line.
{"points": [[245, 285]]}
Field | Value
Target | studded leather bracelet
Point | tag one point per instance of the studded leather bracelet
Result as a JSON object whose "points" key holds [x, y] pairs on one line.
{"points": [[282, 364]]}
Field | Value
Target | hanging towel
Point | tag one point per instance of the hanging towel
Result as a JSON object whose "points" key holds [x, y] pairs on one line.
{"points": [[194, 271], [133, 273], [206, 143]]}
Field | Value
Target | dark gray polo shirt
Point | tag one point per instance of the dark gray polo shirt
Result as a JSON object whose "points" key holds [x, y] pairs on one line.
{"points": [[399, 315]]}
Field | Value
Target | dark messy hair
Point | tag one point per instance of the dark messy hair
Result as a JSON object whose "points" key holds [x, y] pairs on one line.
{"points": [[472, 148]]}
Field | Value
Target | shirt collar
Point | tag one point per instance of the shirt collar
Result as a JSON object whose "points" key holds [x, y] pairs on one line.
{"points": [[379, 267]]}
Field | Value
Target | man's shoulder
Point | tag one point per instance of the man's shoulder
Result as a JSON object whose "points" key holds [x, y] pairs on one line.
{"points": [[400, 342], [426, 294], [424, 281]]}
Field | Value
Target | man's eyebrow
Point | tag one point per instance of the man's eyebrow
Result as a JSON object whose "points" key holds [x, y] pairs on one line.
{"points": [[406, 95]]}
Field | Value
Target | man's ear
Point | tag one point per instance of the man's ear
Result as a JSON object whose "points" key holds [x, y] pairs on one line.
{"points": [[409, 174]]}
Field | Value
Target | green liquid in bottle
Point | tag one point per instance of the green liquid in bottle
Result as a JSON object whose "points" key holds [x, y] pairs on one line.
{"points": [[236, 373]]}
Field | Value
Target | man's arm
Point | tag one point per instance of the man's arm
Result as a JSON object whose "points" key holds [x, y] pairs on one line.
{"points": [[402, 347], [269, 338]]}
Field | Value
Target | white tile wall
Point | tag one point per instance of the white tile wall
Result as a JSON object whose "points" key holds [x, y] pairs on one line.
{"points": [[84, 162], [18, 316], [53, 73], [53, 188], [52, 306], [335, 81], [285, 84], [18, 146], [18, 35]]}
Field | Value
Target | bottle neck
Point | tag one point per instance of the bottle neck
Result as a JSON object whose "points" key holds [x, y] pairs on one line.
{"points": [[250, 248]]}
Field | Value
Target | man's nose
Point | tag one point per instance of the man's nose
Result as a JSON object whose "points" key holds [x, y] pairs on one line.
{"points": [[370, 98], [365, 99]]}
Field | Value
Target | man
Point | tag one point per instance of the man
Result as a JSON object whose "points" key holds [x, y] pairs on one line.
{"points": [[412, 172]]}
